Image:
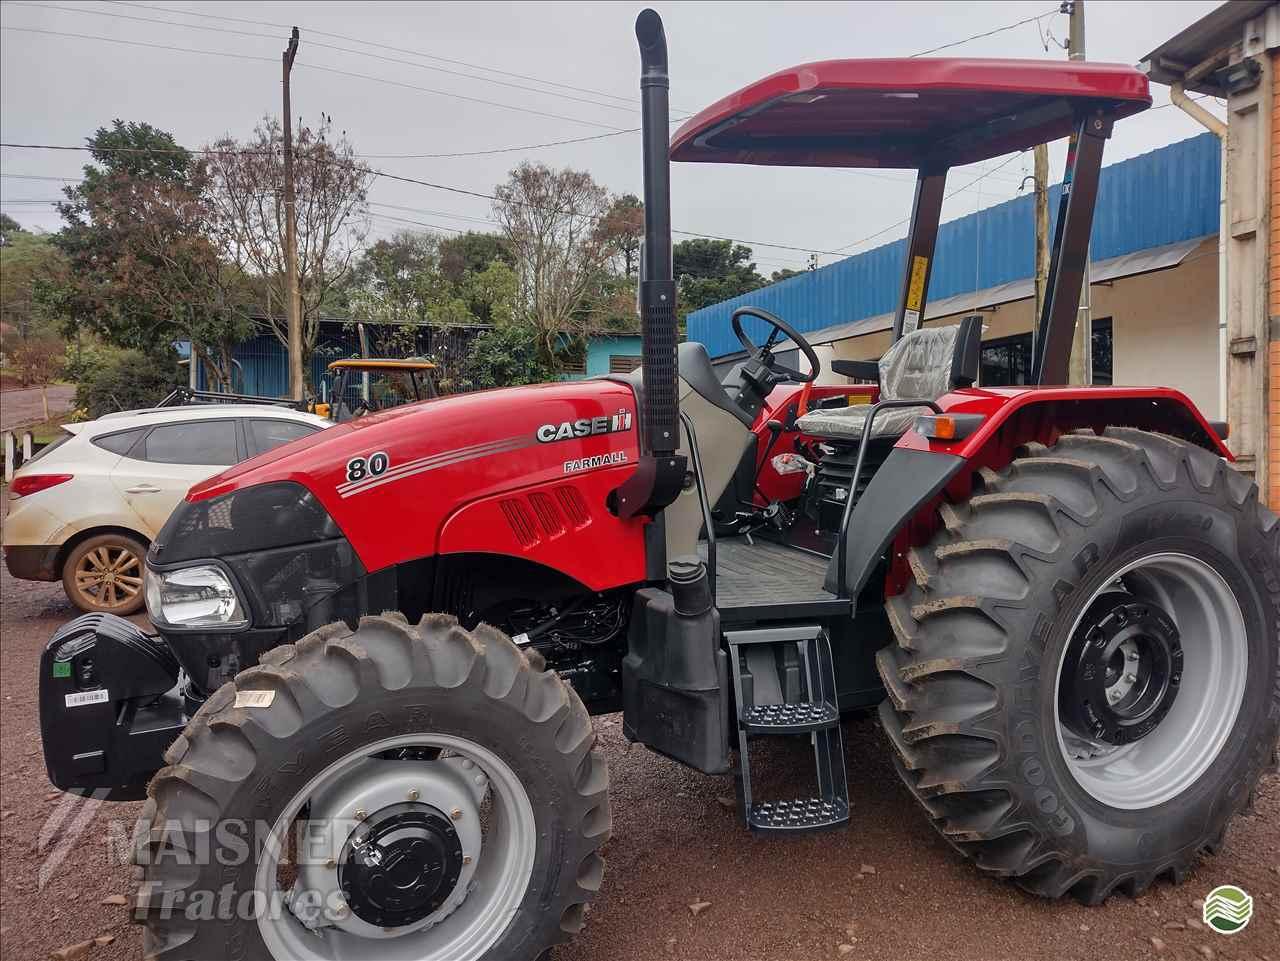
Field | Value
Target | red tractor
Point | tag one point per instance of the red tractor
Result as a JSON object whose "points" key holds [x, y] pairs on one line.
{"points": [[369, 701]]}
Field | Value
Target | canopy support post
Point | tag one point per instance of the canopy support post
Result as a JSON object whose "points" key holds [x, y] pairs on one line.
{"points": [[926, 211], [1070, 250]]}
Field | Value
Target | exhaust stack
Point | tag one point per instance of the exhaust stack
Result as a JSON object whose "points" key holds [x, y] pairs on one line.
{"points": [[660, 474]]}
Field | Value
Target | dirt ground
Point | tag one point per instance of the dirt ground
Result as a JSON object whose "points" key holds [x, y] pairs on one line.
{"points": [[23, 407], [885, 889]]}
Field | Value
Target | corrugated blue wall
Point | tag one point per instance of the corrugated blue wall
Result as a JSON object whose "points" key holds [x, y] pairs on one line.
{"points": [[1161, 197]]}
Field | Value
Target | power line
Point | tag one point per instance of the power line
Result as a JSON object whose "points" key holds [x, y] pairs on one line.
{"points": [[977, 180], [327, 46], [317, 67], [466, 192], [989, 33], [382, 46]]}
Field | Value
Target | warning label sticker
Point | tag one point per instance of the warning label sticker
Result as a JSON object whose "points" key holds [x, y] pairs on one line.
{"points": [[915, 289]]}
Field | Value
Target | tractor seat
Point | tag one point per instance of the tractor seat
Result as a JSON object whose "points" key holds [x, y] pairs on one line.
{"points": [[924, 364]]}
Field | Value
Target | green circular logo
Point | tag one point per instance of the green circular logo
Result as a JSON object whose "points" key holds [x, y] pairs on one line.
{"points": [[1228, 909]]}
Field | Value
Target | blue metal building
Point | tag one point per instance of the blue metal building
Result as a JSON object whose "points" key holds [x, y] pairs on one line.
{"points": [[1159, 198]]}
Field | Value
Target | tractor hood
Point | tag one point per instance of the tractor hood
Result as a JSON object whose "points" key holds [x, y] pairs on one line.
{"points": [[390, 481]]}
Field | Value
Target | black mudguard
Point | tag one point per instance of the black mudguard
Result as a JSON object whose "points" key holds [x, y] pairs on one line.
{"points": [[906, 481]]}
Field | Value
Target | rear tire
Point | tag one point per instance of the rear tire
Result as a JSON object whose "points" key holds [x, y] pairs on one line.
{"points": [[103, 574], [340, 695], [991, 679]]}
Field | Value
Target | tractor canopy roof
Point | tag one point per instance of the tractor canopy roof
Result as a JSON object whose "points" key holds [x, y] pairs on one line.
{"points": [[382, 363], [906, 113]]}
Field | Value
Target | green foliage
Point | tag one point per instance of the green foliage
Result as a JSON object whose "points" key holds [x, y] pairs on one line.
{"points": [[114, 380], [8, 226], [783, 274], [709, 271], [143, 268], [505, 357], [472, 252], [30, 268]]}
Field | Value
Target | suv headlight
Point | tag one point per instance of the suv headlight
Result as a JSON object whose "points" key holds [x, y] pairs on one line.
{"points": [[193, 597]]}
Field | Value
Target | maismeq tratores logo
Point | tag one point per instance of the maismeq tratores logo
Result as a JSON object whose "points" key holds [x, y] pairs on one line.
{"points": [[1227, 909]]}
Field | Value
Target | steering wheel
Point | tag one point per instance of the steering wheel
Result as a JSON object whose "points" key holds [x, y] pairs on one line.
{"points": [[764, 354]]}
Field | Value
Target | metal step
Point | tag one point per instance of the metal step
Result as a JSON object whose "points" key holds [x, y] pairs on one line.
{"points": [[789, 718], [798, 815], [791, 668]]}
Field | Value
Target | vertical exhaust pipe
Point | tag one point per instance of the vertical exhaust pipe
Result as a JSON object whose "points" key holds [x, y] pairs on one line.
{"points": [[660, 474]]}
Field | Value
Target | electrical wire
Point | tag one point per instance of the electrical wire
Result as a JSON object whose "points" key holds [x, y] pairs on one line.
{"points": [[630, 107], [383, 46], [988, 33], [333, 70]]}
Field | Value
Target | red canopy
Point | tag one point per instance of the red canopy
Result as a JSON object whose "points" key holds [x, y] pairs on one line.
{"points": [[905, 112]]}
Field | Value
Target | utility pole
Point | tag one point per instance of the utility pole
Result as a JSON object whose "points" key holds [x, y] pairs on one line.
{"points": [[1041, 180], [1081, 369], [293, 303]]}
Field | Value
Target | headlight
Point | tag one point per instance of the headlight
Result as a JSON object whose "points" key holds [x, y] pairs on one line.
{"points": [[193, 597]]}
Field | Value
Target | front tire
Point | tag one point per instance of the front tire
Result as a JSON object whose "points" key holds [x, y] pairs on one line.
{"points": [[448, 791], [1086, 682]]}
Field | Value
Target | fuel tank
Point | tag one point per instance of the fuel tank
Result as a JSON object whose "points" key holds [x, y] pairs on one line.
{"points": [[523, 471]]}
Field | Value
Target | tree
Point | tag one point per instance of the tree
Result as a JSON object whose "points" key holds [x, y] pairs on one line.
{"points": [[625, 220], [116, 380], [709, 271], [30, 267], [472, 252], [555, 224], [8, 226], [143, 268], [783, 274], [505, 357], [38, 362], [247, 190]]}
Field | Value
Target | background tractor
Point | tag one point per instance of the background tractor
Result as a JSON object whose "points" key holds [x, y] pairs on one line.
{"points": [[1064, 602]]}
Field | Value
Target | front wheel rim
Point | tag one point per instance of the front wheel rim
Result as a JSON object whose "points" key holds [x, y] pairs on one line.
{"points": [[495, 884], [109, 576], [1168, 760]]}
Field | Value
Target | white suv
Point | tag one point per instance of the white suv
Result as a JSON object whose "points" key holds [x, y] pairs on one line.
{"points": [[85, 508]]}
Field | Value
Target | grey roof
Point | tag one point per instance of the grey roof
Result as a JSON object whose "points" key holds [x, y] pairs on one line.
{"points": [[1211, 35], [1113, 268]]}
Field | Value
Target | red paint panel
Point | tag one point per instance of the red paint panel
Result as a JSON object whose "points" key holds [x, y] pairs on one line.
{"points": [[445, 454], [896, 113]]}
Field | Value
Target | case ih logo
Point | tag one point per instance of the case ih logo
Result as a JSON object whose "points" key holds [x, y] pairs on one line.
{"points": [[585, 427]]}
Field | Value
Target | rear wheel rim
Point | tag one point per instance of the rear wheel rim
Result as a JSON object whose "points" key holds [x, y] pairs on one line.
{"points": [[495, 883], [109, 576], [1169, 759]]}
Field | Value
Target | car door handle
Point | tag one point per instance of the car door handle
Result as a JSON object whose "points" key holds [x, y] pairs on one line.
{"points": [[142, 489]]}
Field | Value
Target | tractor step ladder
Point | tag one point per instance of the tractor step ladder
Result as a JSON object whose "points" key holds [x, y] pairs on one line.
{"points": [[785, 685]]}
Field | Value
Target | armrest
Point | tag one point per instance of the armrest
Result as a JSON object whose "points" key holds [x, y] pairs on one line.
{"points": [[861, 369]]}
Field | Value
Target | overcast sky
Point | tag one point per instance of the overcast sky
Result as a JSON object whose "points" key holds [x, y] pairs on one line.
{"points": [[58, 89]]}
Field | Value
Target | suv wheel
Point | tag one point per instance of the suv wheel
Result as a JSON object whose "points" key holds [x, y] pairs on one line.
{"points": [[103, 574]]}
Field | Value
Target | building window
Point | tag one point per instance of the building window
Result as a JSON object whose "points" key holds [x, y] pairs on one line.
{"points": [[1103, 351], [1006, 362], [623, 364]]}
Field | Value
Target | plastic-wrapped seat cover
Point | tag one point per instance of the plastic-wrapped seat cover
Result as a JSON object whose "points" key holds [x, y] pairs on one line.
{"points": [[917, 366]]}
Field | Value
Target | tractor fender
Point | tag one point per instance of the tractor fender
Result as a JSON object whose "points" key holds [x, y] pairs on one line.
{"points": [[901, 499]]}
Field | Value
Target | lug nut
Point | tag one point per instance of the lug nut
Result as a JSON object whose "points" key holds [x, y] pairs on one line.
{"points": [[1131, 656], [466, 859], [1131, 678], [456, 814], [414, 795], [331, 864], [360, 814]]}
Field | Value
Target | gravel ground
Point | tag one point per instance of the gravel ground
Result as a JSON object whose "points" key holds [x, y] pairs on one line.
{"points": [[22, 407], [885, 889]]}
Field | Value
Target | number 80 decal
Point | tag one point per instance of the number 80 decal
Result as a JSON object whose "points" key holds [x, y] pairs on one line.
{"points": [[359, 468]]}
